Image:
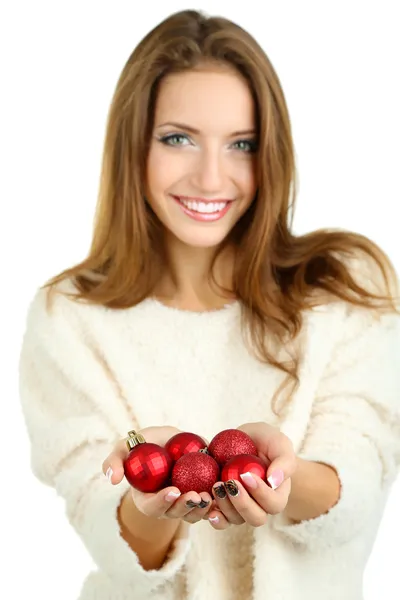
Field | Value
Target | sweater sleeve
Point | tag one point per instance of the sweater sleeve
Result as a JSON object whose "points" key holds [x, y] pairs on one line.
{"points": [[355, 428], [74, 415]]}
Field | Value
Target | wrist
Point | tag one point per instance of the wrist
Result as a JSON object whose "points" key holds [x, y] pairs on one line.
{"points": [[150, 530], [315, 490]]}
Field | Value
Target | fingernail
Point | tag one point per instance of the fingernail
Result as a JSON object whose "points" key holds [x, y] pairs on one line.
{"points": [[191, 504], [231, 487], [201, 504], [249, 480], [276, 478], [219, 491], [213, 519], [109, 474], [171, 496]]}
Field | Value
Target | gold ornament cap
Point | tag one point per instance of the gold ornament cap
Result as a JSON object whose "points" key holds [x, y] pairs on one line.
{"points": [[134, 439]]}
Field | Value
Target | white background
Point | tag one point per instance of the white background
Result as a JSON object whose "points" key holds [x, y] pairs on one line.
{"points": [[339, 68]]}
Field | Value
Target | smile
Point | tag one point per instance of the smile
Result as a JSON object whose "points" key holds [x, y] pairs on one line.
{"points": [[203, 211]]}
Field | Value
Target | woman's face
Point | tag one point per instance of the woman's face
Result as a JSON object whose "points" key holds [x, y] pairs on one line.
{"points": [[202, 159]]}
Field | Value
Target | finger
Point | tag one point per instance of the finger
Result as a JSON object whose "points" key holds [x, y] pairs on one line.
{"points": [[275, 448], [218, 520], [271, 501], [156, 504], [245, 505], [185, 505], [113, 466], [160, 434], [280, 457], [197, 514], [281, 469], [224, 504]]}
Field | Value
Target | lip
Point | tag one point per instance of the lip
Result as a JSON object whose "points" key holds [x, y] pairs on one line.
{"points": [[205, 200], [203, 217]]}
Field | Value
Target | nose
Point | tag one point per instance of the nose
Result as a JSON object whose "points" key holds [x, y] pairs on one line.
{"points": [[209, 171]]}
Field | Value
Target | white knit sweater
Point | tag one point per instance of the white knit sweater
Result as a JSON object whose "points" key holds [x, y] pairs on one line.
{"points": [[89, 374]]}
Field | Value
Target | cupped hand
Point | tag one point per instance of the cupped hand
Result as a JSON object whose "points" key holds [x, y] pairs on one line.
{"points": [[167, 503], [251, 500]]}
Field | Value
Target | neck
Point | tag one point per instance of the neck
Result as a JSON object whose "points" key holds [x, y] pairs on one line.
{"points": [[187, 282]]}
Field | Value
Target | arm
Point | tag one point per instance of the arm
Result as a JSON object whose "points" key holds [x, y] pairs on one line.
{"points": [[74, 416], [149, 538], [354, 430], [315, 490]]}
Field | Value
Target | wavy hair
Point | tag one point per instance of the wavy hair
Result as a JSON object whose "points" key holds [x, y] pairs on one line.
{"points": [[277, 274]]}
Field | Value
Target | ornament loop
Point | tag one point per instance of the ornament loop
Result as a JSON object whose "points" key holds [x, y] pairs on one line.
{"points": [[134, 439]]}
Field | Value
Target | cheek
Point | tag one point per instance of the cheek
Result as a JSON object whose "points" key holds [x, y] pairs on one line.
{"points": [[248, 186], [163, 171], [156, 172], [245, 175], [159, 180]]}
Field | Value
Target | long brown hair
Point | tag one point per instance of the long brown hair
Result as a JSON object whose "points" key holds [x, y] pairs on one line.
{"points": [[276, 272]]}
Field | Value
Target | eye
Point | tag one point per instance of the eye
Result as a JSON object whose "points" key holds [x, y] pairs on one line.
{"points": [[171, 139], [247, 145]]}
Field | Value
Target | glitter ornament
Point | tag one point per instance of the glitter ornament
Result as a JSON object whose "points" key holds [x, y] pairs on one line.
{"points": [[183, 443], [243, 463], [147, 466], [229, 443], [195, 472]]}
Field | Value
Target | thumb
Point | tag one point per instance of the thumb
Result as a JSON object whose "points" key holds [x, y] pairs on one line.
{"points": [[113, 466], [281, 469]]}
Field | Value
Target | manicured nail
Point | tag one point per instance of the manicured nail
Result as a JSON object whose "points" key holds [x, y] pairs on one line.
{"points": [[171, 496], [109, 474], [213, 519], [219, 491], [191, 504], [276, 478], [231, 487], [203, 504], [249, 480]]}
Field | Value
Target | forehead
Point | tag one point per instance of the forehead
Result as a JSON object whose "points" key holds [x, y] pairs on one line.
{"points": [[206, 98]]}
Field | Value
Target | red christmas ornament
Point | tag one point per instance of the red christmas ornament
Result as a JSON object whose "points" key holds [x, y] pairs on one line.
{"points": [[147, 466], [243, 463], [195, 471], [229, 443], [183, 443]]}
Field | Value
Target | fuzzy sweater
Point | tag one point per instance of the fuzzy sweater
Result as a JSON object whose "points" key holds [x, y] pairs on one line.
{"points": [[89, 374]]}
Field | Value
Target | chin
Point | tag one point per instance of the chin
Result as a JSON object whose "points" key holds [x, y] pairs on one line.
{"points": [[202, 239]]}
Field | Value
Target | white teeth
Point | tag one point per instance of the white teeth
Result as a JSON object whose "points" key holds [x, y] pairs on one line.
{"points": [[203, 207]]}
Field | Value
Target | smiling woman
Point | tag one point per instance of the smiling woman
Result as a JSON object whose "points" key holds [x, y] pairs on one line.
{"points": [[199, 310], [203, 155]]}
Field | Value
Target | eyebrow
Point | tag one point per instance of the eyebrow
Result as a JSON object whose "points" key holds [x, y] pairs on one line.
{"points": [[197, 131]]}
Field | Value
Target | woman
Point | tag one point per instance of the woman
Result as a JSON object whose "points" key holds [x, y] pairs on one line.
{"points": [[198, 309]]}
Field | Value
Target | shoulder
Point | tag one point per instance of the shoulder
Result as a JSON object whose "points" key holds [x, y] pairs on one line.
{"points": [[375, 278], [337, 322], [57, 314], [47, 303], [53, 309]]}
